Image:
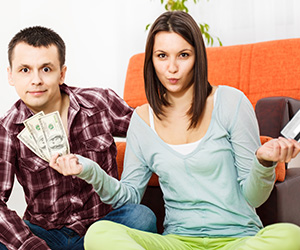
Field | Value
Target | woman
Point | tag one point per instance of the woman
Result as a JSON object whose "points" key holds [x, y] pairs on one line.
{"points": [[203, 143]]}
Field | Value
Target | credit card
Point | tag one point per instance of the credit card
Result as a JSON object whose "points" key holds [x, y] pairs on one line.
{"points": [[292, 128]]}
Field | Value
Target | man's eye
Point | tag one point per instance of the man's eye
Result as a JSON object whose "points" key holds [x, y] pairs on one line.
{"points": [[25, 70], [46, 69]]}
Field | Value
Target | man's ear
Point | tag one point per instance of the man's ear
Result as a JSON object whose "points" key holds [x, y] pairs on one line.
{"points": [[63, 74], [9, 76]]}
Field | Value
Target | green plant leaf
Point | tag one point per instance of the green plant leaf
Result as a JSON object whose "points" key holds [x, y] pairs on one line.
{"points": [[220, 43], [172, 5]]}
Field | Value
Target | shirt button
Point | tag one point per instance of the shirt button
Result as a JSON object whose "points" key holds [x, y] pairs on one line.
{"points": [[36, 167], [101, 147]]}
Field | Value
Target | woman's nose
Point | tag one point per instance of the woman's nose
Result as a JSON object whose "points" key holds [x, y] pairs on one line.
{"points": [[173, 66]]}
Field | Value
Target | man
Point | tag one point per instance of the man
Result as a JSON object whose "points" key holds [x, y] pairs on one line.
{"points": [[59, 209]]}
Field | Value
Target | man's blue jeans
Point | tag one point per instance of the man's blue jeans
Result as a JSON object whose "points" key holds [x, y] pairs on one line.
{"points": [[132, 215]]}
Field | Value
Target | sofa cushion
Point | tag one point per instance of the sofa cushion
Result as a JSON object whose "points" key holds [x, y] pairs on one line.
{"points": [[259, 70], [134, 90]]}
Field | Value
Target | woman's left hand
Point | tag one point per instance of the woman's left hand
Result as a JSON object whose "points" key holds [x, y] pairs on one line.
{"points": [[277, 150]]}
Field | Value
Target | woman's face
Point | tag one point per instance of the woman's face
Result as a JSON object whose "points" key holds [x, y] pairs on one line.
{"points": [[173, 59]]}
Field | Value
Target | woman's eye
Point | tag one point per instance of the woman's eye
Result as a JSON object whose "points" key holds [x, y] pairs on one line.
{"points": [[184, 55], [162, 55], [46, 69], [25, 70]]}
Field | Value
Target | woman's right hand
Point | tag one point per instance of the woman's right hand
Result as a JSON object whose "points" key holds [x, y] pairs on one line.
{"points": [[66, 164]]}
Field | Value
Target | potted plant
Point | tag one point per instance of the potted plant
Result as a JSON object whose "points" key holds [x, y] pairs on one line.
{"points": [[172, 5]]}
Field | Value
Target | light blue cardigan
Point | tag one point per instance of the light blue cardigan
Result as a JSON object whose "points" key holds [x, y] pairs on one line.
{"points": [[211, 192]]}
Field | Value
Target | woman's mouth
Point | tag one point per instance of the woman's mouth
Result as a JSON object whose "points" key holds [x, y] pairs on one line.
{"points": [[173, 80]]}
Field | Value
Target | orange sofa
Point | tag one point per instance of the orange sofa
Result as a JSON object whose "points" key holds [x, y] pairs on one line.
{"points": [[260, 70]]}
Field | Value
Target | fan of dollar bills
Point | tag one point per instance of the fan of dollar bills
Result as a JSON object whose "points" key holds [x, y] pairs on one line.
{"points": [[45, 135]]}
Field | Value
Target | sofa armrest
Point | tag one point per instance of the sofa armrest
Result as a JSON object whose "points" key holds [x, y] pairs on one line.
{"points": [[289, 205], [283, 204], [273, 113]]}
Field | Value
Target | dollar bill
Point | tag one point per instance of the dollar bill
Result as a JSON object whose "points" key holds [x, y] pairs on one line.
{"points": [[26, 137], [54, 134], [45, 135], [34, 127]]}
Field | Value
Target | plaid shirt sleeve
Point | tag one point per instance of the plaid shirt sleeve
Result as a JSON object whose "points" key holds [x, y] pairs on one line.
{"points": [[119, 112], [14, 233]]}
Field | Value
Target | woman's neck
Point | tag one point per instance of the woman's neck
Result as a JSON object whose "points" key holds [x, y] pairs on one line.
{"points": [[181, 102]]}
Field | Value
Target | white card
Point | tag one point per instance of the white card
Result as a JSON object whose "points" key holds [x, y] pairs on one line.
{"points": [[292, 128]]}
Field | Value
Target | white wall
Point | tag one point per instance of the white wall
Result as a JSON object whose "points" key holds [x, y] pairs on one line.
{"points": [[102, 35]]}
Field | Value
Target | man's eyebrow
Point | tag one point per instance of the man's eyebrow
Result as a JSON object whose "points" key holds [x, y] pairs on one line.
{"points": [[43, 65], [23, 66], [47, 64]]}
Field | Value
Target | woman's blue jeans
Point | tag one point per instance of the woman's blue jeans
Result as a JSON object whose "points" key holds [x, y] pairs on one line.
{"points": [[132, 215]]}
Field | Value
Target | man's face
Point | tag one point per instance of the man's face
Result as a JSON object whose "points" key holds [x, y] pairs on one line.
{"points": [[36, 74]]}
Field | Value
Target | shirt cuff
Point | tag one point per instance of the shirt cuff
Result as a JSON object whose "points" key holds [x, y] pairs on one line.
{"points": [[262, 166], [87, 164]]}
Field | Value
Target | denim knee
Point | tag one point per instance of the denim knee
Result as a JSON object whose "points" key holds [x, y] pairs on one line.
{"points": [[146, 217], [135, 216]]}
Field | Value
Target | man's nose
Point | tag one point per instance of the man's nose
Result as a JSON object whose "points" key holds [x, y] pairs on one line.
{"points": [[36, 78]]}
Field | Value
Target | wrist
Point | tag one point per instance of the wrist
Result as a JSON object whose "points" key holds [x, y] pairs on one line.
{"points": [[266, 163]]}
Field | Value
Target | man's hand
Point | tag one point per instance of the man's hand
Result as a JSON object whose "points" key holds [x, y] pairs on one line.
{"points": [[66, 164], [277, 150]]}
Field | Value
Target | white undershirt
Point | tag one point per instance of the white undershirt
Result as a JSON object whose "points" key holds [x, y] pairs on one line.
{"points": [[183, 149]]}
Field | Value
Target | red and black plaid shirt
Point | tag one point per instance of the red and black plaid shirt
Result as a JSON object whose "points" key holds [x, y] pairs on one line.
{"points": [[95, 115]]}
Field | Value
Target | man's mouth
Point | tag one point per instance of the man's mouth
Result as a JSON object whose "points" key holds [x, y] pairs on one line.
{"points": [[36, 92]]}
